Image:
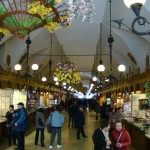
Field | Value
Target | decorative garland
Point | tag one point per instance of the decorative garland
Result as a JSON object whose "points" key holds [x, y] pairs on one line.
{"points": [[67, 73], [147, 89]]}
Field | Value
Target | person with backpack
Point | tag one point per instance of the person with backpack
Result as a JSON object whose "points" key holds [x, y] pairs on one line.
{"points": [[40, 125]]}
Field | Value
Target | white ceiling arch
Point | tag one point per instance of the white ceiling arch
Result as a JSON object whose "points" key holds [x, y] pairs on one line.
{"points": [[81, 39]]}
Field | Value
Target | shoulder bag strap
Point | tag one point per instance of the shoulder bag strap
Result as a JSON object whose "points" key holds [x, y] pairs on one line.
{"points": [[119, 137]]}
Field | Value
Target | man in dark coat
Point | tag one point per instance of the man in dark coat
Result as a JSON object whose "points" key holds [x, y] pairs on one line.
{"points": [[80, 121], [20, 125]]}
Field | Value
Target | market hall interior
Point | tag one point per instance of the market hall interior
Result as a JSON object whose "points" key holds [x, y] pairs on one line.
{"points": [[69, 141]]}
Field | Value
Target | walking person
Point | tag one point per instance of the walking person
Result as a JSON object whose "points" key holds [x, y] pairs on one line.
{"points": [[97, 110], [102, 137], [119, 116], [56, 119], [20, 125], [9, 125], [121, 137], [70, 113], [80, 122], [112, 118], [40, 125]]}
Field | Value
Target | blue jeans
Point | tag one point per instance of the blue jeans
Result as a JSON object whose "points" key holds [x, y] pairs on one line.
{"points": [[53, 134]]}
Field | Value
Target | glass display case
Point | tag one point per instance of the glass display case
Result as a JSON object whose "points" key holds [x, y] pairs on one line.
{"points": [[5, 101]]}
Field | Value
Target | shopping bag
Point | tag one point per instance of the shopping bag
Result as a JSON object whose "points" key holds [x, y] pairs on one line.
{"points": [[49, 128]]}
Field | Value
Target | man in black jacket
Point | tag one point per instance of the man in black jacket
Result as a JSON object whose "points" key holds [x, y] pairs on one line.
{"points": [[80, 121], [9, 125]]}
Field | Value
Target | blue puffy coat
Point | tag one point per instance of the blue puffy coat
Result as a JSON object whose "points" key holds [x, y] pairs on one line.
{"points": [[20, 117]]}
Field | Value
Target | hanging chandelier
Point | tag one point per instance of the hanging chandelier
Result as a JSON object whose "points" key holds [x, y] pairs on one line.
{"points": [[20, 17], [80, 9], [66, 73]]}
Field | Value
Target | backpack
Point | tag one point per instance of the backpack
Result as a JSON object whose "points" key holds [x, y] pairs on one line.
{"points": [[40, 121]]}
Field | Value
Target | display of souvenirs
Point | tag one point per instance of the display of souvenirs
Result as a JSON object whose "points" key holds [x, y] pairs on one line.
{"points": [[119, 103], [33, 100], [135, 103], [5, 101], [144, 104], [19, 96], [42, 101]]}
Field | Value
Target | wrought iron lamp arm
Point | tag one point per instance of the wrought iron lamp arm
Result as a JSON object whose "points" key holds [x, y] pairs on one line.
{"points": [[141, 21]]}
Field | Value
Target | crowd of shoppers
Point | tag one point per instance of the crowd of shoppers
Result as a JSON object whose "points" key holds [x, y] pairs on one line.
{"points": [[110, 135], [104, 139]]}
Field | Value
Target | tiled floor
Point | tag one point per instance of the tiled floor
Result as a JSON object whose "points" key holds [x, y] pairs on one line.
{"points": [[69, 141]]}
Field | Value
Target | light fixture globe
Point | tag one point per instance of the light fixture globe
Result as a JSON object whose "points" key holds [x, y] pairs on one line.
{"points": [[64, 83], [57, 83], [121, 68], [94, 78], [17, 67], [44, 79], [101, 68], [35, 67], [129, 3], [92, 84], [55, 79]]}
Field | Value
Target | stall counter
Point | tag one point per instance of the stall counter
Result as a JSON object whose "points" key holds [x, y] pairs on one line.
{"points": [[139, 139], [2, 127], [31, 121]]}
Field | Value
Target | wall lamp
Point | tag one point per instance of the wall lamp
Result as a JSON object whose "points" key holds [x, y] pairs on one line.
{"points": [[136, 6]]}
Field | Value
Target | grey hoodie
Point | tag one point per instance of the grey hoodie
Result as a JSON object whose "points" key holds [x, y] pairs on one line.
{"points": [[37, 116]]}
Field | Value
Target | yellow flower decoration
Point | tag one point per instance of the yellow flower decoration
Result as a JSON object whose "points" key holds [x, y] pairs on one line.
{"points": [[52, 26], [58, 1], [38, 8], [4, 31], [68, 24]]}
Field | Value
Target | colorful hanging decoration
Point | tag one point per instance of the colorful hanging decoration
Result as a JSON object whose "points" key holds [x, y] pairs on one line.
{"points": [[67, 72], [80, 9], [147, 89], [23, 16]]}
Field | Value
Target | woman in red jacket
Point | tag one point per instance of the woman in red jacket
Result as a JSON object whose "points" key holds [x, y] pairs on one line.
{"points": [[121, 137]]}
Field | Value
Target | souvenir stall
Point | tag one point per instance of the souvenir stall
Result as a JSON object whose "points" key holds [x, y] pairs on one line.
{"points": [[138, 124], [19, 96], [117, 100], [5, 101]]}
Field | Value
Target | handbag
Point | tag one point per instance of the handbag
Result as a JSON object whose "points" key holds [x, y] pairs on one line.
{"points": [[49, 127]]}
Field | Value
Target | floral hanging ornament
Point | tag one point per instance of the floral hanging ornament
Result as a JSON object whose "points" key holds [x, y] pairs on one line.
{"points": [[66, 73], [147, 89], [58, 1]]}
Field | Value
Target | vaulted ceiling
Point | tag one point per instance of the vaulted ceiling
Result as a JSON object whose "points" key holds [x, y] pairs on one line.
{"points": [[79, 44]]}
